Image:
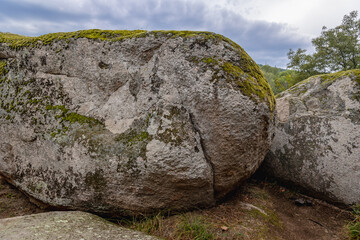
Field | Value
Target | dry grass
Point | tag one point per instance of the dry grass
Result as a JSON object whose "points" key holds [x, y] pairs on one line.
{"points": [[229, 220]]}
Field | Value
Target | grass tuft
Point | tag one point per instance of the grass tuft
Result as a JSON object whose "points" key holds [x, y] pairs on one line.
{"points": [[194, 228], [354, 226], [150, 224], [147, 224]]}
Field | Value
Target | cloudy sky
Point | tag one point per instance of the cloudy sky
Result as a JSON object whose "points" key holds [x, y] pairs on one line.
{"points": [[266, 29]]}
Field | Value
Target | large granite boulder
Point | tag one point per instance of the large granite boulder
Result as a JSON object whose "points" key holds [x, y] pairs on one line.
{"points": [[128, 122], [317, 139], [65, 225]]}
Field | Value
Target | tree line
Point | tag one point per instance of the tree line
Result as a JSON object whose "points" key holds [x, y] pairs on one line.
{"points": [[336, 49]]}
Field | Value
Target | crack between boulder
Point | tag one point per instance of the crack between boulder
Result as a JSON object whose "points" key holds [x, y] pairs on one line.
{"points": [[206, 156]]}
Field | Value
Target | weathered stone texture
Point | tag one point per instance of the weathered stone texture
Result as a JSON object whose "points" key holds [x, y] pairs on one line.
{"points": [[65, 225], [130, 121], [317, 138]]}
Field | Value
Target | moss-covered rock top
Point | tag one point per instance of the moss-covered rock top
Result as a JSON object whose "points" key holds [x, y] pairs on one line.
{"points": [[259, 89], [316, 145], [328, 78], [325, 79], [246, 76], [19, 41]]}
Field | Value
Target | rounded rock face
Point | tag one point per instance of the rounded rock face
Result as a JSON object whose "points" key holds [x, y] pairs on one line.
{"points": [[317, 138], [65, 225], [128, 122]]}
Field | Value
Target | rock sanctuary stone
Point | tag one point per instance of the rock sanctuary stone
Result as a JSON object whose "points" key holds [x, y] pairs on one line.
{"points": [[65, 225], [317, 138], [128, 122]]}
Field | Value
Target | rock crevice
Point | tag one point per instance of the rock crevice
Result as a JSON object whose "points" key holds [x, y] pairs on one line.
{"points": [[206, 156]]}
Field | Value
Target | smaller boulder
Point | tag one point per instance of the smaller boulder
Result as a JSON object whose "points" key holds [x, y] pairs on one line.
{"points": [[65, 225], [317, 138]]}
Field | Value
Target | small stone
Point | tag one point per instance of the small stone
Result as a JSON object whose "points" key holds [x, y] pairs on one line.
{"points": [[224, 228], [303, 202]]}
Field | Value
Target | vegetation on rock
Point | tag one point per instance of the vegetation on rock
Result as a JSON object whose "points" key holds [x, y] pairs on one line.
{"points": [[246, 66], [19, 41], [3, 71], [330, 77], [257, 88]]}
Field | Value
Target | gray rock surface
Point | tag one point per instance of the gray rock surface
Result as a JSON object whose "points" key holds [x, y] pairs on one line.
{"points": [[128, 122], [317, 139], [65, 225]]}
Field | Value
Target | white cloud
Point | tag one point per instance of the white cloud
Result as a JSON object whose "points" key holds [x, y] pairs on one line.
{"points": [[308, 16]]}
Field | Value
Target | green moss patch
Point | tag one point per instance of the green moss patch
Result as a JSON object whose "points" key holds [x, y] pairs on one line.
{"points": [[259, 89], [191, 34], [244, 75], [326, 80], [133, 136], [72, 117], [18, 41], [329, 78], [3, 69], [67, 118]]}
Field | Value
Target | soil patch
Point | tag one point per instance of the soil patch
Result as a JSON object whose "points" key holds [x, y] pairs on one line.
{"points": [[258, 210], [14, 203]]}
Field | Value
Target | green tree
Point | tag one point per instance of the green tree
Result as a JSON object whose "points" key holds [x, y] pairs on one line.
{"points": [[335, 49], [279, 79], [305, 65]]}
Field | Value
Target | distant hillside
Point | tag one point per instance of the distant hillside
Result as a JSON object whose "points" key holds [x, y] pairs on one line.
{"points": [[268, 66], [279, 79]]}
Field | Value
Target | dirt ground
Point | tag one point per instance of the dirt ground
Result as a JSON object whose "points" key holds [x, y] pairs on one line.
{"points": [[14, 203], [298, 217], [258, 210]]}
